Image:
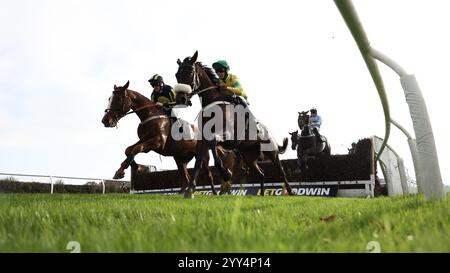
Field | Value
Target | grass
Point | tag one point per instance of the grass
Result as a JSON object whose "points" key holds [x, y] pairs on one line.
{"points": [[156, 223]]}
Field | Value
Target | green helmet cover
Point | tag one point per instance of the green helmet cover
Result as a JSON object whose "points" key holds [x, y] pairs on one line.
{"points": [[221, 64]]}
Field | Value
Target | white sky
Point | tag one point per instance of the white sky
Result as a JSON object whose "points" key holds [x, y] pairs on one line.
{"points": [[60, 59]]}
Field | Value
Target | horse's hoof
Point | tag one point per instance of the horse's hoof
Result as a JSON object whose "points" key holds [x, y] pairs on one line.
{"points": [[188, 194], [119, 175], [285, 192]]}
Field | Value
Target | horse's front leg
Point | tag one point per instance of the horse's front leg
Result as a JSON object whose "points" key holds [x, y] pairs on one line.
{"points": [[276, 161], [200, 156], [209, 173], [224, 172], [299, 159], [133, 150], [230, 161], [305, 161], [120, 173], [184, 176]]}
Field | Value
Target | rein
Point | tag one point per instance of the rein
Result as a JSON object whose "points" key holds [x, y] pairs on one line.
{"points": [[139, 109], [118, 114], [133, 111], [202, 90], [117, 117]]}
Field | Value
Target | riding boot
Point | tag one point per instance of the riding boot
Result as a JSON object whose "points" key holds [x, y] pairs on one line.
{"points": [[319, 136]]}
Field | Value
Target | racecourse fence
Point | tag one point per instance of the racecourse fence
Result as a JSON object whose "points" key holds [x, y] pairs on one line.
{"points": [[56, 181], [339, 175]]}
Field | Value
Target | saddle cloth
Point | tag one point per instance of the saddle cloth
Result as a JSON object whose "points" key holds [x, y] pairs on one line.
{"points": [[185, 128]]}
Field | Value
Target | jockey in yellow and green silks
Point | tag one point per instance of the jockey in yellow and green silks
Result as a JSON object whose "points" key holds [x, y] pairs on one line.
{"points": [[229, 83]]}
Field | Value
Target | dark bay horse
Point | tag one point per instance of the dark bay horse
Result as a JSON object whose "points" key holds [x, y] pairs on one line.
{"points": [[225, 132], [308, 144], [154, 131]]}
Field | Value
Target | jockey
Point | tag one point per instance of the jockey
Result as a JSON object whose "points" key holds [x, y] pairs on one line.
{"points": [[315, 121], [162, 94], [230, 85]]}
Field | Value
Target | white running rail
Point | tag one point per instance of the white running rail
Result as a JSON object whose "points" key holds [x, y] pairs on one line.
{"points": [[52, 177]]}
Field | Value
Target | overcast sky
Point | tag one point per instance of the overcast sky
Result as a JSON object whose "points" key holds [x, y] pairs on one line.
{"points": [[60, 59]]}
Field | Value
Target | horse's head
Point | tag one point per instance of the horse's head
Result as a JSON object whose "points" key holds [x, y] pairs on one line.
{"points": [[118, 105], [187, 78], [202, 80], [303, 119], [187, 72], [294, 139]]}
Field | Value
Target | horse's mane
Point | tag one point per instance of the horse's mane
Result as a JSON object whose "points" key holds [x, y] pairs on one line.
{"points": [[210, 72], [136, 93]]}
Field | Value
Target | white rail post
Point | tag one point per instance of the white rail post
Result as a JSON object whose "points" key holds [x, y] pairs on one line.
{"points": [[387, 177], [400, 167], [51, 184], [429, 180], [413, 149], [403, 178], [430, 175], [103, 186]]}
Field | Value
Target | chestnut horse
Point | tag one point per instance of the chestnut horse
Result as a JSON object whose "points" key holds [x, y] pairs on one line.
{"points": [[154, 131], [203, 81]]}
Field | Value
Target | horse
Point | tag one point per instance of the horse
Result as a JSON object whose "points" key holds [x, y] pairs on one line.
{"points": [[154, 132], [308, 144], [202, 81]]}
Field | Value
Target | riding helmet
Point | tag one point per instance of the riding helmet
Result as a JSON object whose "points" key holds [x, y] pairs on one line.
{"points": [[221, 64], [156, 78]]}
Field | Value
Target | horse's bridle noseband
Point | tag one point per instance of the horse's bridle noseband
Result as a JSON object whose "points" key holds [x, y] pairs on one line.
{"points": [[118, 113]]}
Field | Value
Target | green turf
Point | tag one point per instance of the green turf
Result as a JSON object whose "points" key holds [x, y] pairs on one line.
{"points": [[155, 223]]}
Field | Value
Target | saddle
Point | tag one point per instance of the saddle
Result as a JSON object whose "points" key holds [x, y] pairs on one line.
{"points": [[237, 100]]}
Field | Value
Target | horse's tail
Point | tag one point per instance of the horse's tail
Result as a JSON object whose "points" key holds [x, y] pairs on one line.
{"points": [[282, 149]]}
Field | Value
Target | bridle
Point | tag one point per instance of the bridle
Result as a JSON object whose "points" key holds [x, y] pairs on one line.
{"points": [[196, 81], [120, 113], [198, 92], [117, 113], [195, 84]]}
